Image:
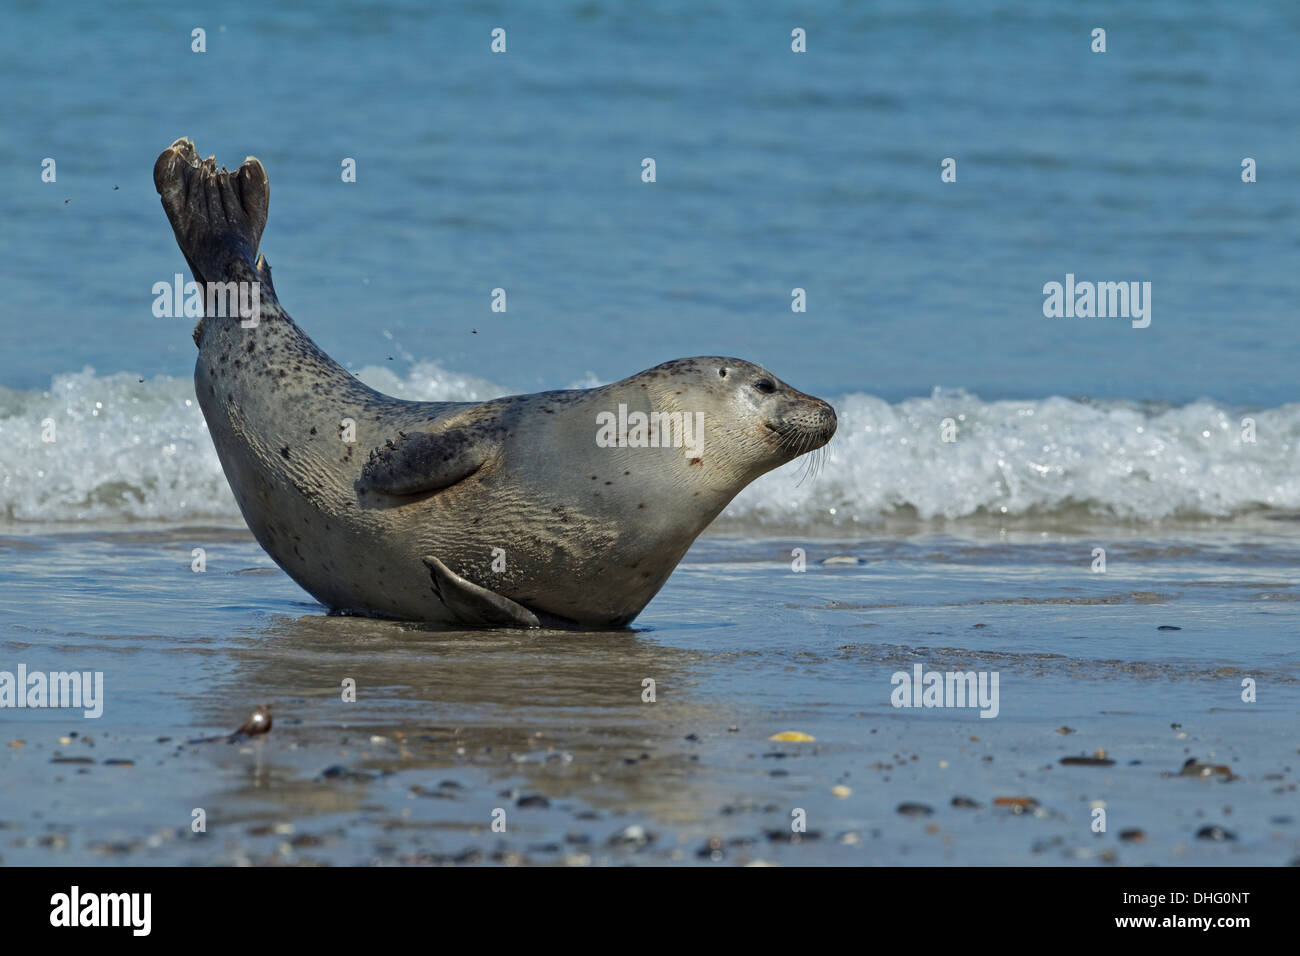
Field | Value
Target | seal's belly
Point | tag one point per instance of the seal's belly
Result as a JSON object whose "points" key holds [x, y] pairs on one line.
{"points": [[291, 459]]}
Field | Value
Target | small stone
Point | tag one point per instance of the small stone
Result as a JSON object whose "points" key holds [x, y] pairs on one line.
{"points": [[841, 791], [1214, 833], [789, 836], [1018, 804], [793, 737], [1194, 768], [634, 834], [915, 810], [339, 772], [259, 722]]}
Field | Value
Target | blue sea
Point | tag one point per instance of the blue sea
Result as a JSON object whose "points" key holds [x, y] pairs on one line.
{"points": [[984, 448]]}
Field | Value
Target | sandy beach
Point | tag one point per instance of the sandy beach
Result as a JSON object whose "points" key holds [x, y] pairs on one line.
{"points": [[552, 731]]}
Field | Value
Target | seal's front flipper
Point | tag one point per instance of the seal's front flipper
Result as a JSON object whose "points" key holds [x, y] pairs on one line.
{"points": [[476, 606], [422, 462]]}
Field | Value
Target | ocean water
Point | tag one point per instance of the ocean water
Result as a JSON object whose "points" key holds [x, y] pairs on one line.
{"points": [[1172, 447]]}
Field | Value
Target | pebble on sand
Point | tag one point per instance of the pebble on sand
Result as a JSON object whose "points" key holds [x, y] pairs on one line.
{"points": [[1194, 768], [635, 834], [1023, 803], [1215, 833], [259, 721], [793, 737]]}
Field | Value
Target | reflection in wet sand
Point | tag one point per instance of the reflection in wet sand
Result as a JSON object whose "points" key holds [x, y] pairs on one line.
{"points": [[558, 710]]}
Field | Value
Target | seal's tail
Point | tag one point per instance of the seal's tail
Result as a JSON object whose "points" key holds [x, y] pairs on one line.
{"points": [[218, 216]]}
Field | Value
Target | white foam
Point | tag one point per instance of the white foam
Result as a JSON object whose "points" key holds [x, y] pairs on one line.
{"points": [[125, 449], [1123, 460], [430, 382], [131, 450]]}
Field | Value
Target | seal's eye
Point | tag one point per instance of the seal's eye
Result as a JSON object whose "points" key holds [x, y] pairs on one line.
{"points": [[765, 386], [722, 373]]}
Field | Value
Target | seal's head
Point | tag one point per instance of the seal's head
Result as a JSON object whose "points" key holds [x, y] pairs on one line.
{"points": [[754, 421]]}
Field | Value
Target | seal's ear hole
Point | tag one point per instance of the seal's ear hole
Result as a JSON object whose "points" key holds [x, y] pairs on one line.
{"points": [[765, 385], [722, 373]]}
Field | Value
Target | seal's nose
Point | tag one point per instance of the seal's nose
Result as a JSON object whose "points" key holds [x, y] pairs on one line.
{"points": [[829, 419]]}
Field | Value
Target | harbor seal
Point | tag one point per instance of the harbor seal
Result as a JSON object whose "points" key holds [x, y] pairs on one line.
{"points": [[563, 508]]}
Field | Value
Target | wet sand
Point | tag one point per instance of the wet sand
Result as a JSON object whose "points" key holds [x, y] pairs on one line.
{"points": [[550, 732]]}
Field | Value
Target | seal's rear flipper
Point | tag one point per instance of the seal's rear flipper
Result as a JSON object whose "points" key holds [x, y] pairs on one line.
{"points": [[476, 606], [218, 217], [423, 462]]}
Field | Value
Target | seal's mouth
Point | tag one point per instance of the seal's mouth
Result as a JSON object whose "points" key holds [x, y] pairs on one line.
{"points": [[802, 427]]}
